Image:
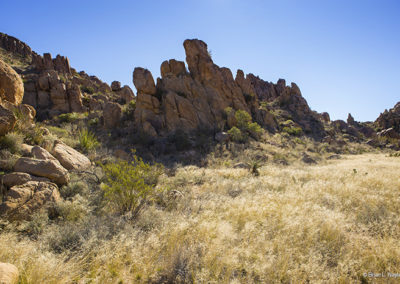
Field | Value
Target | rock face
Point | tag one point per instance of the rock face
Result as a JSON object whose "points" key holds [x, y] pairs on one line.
{"points": [[11, 86], [14, 45], [43, 168], [69, 157], [197, 99], [390, 119], [112, 115], [8, 272], [22, 200], [18, 178]]}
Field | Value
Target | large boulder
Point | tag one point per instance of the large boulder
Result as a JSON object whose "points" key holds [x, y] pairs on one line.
{"points": [[115, 86], [18, 178], [143, 80], [23, 200], [112, 114], [50, 169], [8, 273], [11, 86], [42, 154], [69, 157], [7, 120]]}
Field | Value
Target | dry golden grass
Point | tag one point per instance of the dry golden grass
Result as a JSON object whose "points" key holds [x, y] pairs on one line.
{"points": [[325, 223]]}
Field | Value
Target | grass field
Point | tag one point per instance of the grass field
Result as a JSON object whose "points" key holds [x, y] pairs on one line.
{"points": [[325, 223]]}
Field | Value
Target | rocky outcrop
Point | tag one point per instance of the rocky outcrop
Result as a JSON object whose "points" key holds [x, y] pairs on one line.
{"points": [[389, 119], [46, 62], [9, 273], [197, 99], [50, 169], [11, 86], [112, 114], [69, 157], [18, 178], [14, 45], [23, 200]]}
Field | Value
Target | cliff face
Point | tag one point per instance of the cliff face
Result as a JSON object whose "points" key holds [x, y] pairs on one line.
{"points": [[198, 98]]}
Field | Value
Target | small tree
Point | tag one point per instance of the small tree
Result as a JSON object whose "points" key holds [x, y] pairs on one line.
{"points": [[243, 119], [129, 185]]}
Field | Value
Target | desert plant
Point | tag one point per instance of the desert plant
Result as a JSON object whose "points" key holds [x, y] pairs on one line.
{"points": [[87, 140], [236, 135], [12, 141], [129, 185], [87, 89], [243, 119], [295, 131], [255, 130]]}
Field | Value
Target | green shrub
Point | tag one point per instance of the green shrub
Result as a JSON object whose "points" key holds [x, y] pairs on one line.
{"points": [[228, 111], [295, 131], [255, 130], [243, 119], [129, 185], [35, 135], [12, 141], [87, 89], [87, 140], [236, 135], [74, 188], [73, 210]]}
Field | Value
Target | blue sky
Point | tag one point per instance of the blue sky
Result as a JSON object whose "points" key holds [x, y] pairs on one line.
{"points": [[344, 55]]}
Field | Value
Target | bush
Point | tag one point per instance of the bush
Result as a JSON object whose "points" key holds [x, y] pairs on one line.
{"points": [[236, 135], [181, 140], [74, 188], [87, 89], [12, 141], [243, 119], [255, 130], [295, 131], [71, 116], [87, 140], [129, 185]]}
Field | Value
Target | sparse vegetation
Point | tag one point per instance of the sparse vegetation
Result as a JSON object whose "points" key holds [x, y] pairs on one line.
{"points": [[87, 140], [244, 127], [12, 141]]}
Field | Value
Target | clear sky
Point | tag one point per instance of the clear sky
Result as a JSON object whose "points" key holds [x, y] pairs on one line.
{"points": [[343, 54]]}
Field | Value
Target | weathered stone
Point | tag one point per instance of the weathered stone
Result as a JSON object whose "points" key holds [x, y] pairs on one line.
{"points": [[69, 157], [58, 96], [42, 154], [126, 94], [43, 168], [144, 82], [75, 98], [115, 86], [112, 114], [23, 200], [222, 137], [9, 273], [11, 86], [18, 178]]}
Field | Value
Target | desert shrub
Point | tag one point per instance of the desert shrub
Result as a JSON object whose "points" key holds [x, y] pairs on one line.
{"points": [[87, 140], [129, 185], [71, 117], [12, 141], [74, 188], [236, 135], [244, 128], [228, 111], [87, 89], [72, 210], [37, 224], [255, 130], [129, 109], [243, 119], [294, 131], [35, 135]]}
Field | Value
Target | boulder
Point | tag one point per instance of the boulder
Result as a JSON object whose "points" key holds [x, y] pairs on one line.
{"points": [[222, 137], [112, 114], [75, 98], [390, 133], [58, 96], [8, 273], [144, 82], [11, 86], [325, 117], [50, 169], [7, 120], [23, 200], [69, 157], [115, 86], [42, 154], [26, 149], [126, 94], [18, 178]]}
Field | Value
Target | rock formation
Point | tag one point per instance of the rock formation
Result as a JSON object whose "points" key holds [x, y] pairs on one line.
{"points": [[390, 119], [198, 99], [11, 86]]}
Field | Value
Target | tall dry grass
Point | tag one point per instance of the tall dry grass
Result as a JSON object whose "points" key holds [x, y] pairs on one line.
{"points": [[325, 223]]}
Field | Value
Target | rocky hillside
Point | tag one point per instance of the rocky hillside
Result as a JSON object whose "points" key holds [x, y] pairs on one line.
{"points": [[200, 98]]}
